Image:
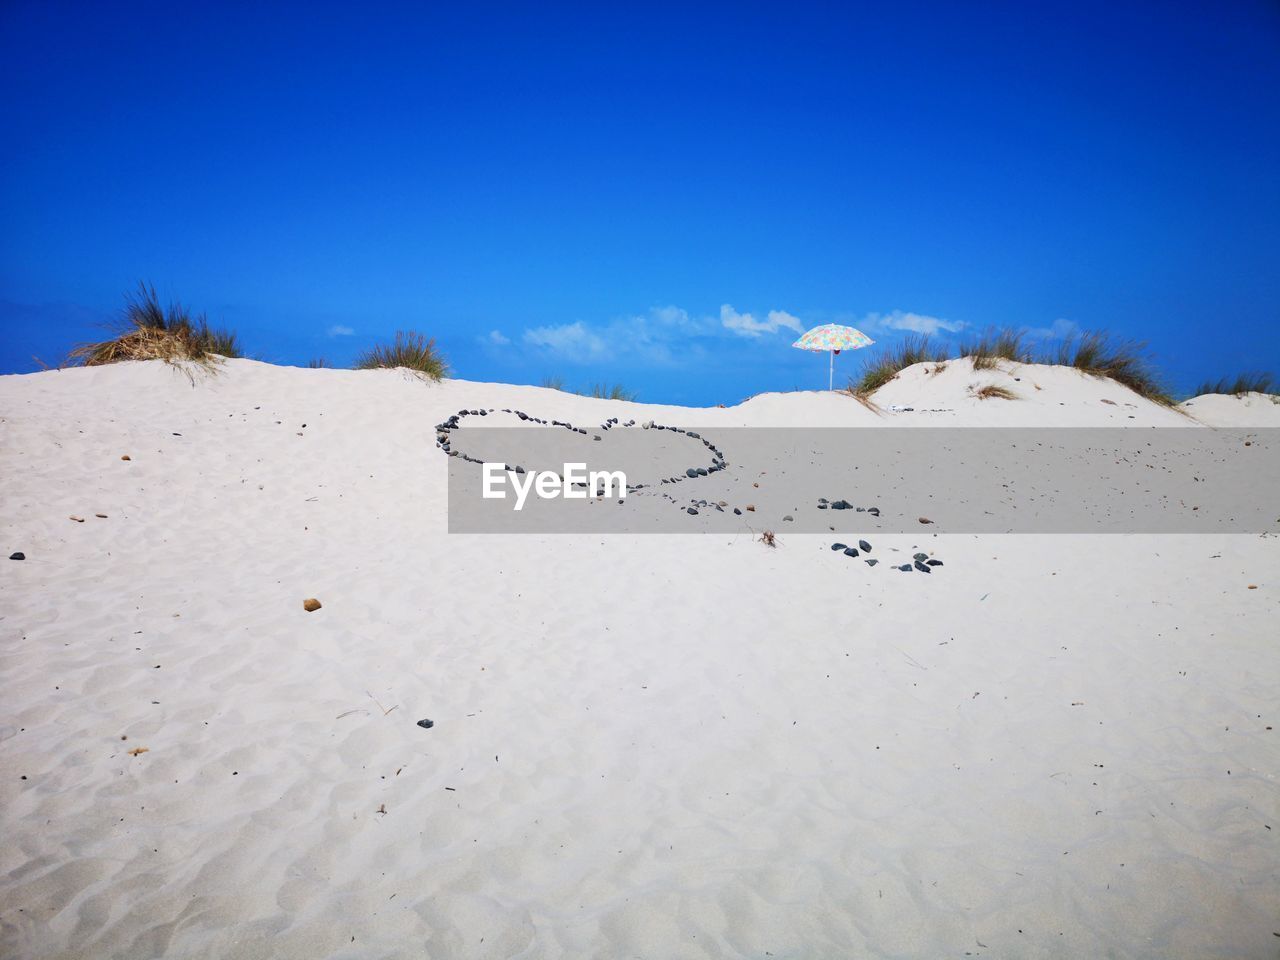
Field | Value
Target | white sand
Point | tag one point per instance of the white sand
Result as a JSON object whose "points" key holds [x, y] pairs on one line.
{"points": [[681, 746]]}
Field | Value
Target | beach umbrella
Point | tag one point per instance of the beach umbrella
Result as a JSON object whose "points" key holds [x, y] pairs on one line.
{"points": [[832, 338]]}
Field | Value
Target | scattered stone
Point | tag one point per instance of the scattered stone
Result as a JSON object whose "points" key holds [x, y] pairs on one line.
{"points": [[751, 508], [692, 511], [839, 546], [872, 563], [924, 520], [905, 568], [76, 519], [426, 724], [864, 546], [691, 472], [788, 519], [923, 568], [126, 457], [850, 552], [920, 556], [934, 563], [842, 505], [101, 516], [311, 605], [874, 511], [18, 556], [737, 512]]}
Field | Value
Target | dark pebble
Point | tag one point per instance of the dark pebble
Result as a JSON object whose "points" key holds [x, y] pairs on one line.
{"points": [[905, 568], [426, 724], [842, 505], [872, 563], [737, 512], [850, 552], [920, 556], [692, 511], [839, 546], [788, 519], [18, 556], [934, 563], [864, 546], [874, 511], [923, 568]]}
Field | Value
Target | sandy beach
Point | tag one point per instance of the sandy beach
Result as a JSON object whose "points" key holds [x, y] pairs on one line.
{"points": [[663, 746]]}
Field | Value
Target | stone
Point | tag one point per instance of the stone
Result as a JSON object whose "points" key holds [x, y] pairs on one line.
{"points": [[934, 563], [18, 556], [788, 519], [924, 520], [850, 552], [923, 568], [920, 556], [872, 563], [691, 472], [692, 511], [864, 546], [874, 511], [751, 508], [905, 568], [842, 505], [311, 605], [839, 546], [737, 512], [426, 724], [126, 457]]}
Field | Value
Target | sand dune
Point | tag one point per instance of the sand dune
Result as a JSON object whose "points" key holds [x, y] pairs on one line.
{"points": [[666, 746]]}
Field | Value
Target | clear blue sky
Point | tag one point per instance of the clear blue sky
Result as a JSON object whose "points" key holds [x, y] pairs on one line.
{"points": [[648, 194]]}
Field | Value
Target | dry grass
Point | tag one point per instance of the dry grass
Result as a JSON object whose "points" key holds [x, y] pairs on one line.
{"points": [[318, 363], [994, 345], [410, 351], [913, 349], [993, 392], [1124, 361], [599, 391], [147, 331], [1242, 384], [768, 539]]}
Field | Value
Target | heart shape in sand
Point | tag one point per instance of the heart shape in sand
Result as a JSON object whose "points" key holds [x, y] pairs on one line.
{"points": [[649, 452]]}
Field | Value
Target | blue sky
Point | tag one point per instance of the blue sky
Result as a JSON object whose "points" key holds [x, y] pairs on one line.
{"points": [[658, 195]]}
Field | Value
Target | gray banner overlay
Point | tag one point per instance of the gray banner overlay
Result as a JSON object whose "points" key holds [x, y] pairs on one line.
{"points": [[862, 480]]}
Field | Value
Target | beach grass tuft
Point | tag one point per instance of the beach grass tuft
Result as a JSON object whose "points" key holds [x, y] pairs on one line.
{"points": [[410, 351], [913, 349], [1254, 382], [1125, 361], [994, 345], [598, 391], [149, 331], [993, 392]]}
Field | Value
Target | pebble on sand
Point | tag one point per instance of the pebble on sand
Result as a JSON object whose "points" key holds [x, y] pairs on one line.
{"points": [[311, 604], [126, 457], [18, 556]]}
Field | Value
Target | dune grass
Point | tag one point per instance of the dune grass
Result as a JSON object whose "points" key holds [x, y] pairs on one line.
{"points": [[410, 351], [1255, 382], [318, 363], [599, 391], [148, 331], [913, 349], [994, 345], [993, 392], [1125, 361]]}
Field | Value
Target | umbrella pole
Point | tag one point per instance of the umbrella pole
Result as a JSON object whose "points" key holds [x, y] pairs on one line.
{"points": [[831, 368]]}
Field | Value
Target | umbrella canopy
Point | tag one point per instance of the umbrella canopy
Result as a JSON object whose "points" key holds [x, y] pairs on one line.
{"points": [[832, 337]]}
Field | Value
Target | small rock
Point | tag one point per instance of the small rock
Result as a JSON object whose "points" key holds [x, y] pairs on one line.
{"points": [[737, 512], [920, 556], [839, 546], [872, 563], [311, 605], [18, 556], [905, 568], [850, 552], [874, 511], [426, 724], [842, 505], [691, 472], [126, 457], [76, 519], [864, 546], [934, 563], [692, 511], [924, 520], [751, 508], [923, 568], [788, 519]]}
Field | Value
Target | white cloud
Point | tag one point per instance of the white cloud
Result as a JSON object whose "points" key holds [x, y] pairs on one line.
{"points": [[1060, 329], [497, 338], [913, 322], [338, 330], [573, 341], [746, 325]]}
